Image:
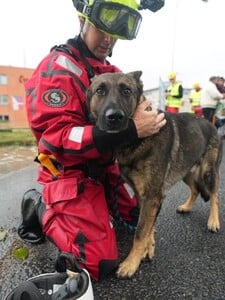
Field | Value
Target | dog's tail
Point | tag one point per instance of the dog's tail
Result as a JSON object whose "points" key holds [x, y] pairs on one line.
{"points": [[209, 175], [208, 183], [202, 191]]}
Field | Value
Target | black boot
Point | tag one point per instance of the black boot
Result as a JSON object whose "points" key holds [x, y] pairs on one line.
{"points": [[30, 229]]}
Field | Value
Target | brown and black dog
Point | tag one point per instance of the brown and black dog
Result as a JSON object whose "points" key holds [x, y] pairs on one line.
{"points": [[187, 148]]}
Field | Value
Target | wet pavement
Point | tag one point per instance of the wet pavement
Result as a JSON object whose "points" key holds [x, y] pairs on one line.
{"points": [[189, 261], [13, 158]]}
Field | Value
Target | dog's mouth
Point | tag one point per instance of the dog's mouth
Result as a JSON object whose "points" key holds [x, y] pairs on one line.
{"points": [[112, 131], [109, 128]]}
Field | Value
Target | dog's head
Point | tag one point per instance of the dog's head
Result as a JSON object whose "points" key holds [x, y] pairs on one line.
{"points": [[112, 99]]}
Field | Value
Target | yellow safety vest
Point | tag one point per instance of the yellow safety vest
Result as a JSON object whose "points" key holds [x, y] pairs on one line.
{"points": [[195, 96], [172, 101]]}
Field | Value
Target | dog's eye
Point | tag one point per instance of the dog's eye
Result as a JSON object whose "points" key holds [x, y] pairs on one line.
{"points": [[126, 92], [100, 91]]}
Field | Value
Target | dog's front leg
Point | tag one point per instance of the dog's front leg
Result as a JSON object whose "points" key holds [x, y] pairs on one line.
{"points": [[143, 243], [213, 221]]}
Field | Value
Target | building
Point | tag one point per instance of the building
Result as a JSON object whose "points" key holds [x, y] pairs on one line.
{"points": [[12, 97]]}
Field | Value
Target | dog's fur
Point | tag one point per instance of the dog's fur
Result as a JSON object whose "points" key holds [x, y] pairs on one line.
{"points": [[187, 148]]}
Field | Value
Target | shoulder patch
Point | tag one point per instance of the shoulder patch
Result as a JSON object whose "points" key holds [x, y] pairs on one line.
{"points": [[55, 98]]}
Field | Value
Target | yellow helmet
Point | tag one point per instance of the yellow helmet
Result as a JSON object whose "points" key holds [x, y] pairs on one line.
{"points": [[196, 85], [172, 75], [118, 18]]}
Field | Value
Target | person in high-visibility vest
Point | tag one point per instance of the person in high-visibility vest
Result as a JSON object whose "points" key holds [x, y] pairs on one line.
{"points": [[195, 99], [173, 94]]}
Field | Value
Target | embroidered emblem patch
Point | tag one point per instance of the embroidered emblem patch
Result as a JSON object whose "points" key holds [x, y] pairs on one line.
{"points": [[55, 98]]}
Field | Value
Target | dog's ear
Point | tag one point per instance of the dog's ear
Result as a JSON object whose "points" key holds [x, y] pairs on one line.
{"points": [[88, 97], [88, 103], [136, 75]]}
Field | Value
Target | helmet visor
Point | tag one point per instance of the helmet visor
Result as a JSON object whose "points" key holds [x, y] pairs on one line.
{"points": [[116, 19]]}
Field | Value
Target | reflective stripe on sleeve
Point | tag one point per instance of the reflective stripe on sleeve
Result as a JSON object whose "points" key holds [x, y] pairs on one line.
{"points": [[66, 63], [76, 134]]}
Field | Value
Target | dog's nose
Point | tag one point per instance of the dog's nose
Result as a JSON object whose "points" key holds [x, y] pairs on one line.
{"points": [[114, 116]]}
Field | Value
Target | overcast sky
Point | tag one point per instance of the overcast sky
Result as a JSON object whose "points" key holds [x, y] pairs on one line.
{"points": [[186, 36]]}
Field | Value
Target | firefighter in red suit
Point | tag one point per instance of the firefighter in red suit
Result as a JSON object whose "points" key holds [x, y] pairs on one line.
{"points": [[80, 178]]}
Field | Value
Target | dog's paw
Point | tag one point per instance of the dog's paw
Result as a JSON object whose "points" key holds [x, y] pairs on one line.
{"points": [[213, 225], [127, 269], [150, 251], [182, 209]]}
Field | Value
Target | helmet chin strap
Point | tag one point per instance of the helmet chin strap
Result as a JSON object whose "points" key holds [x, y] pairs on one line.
{"points": [[82, 21]]}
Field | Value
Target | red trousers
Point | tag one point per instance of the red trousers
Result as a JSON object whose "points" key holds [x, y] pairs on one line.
{"points": [[173, 110], [77, 218], [197, 110]]}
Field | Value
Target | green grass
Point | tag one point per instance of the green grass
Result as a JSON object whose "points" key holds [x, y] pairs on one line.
{"points": [[20, 137]]}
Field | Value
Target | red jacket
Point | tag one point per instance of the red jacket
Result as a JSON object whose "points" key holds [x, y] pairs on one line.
{"points": [[56, 106]]}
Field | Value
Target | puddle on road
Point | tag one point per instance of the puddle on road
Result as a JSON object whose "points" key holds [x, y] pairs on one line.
{"points": [[13, 158]]}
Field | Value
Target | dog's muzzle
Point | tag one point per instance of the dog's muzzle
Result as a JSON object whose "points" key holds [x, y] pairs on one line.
{"points": [[114, 120]]}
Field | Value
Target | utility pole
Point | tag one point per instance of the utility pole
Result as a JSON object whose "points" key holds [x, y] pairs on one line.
{"points": [[174, 35]]}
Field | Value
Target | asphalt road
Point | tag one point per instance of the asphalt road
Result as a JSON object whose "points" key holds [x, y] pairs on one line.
{"points": [[189, 261]]}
